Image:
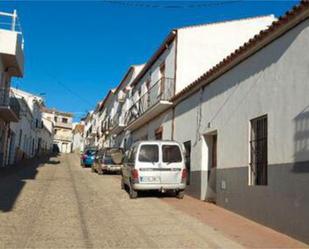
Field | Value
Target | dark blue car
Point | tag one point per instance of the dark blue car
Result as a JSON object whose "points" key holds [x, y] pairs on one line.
{"points": [[88, 157]]}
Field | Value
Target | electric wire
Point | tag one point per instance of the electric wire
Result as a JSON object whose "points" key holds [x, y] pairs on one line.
{"points": [[149, 4]]}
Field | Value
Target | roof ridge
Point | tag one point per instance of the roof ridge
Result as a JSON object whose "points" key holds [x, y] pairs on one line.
{"points": [[225, 21]]}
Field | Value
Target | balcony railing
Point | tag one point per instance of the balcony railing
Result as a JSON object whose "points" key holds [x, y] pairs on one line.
{"points": [[63, 125], [9, 106], [162, 90], [14, 105], [63, 137], [10, 21], [4, 96]]}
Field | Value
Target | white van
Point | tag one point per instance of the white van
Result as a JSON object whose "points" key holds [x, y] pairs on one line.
{"points": [[154, 165]]}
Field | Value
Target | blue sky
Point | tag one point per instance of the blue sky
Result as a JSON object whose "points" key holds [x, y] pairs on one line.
{"points": [[75, 51]]}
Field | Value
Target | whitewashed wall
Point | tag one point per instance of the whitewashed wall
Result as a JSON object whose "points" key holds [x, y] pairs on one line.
{"points": [[167, 57], [274, 82], [201, 47]]}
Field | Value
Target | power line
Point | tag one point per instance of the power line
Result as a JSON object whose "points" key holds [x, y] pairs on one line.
{"points": [[73, 92], [148, 4]]}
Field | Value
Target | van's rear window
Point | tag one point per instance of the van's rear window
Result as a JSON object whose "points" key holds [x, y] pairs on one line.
{"points": [[171, 154], [149, 153]]}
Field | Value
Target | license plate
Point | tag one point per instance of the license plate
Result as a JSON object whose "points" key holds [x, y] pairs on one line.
{"points": [[150, 179]]}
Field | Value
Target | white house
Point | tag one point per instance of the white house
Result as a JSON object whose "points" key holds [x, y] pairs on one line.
{"points": [[183, 56], [78, 141], [29, 136], [11, 65], [117, 104], [62, 128], [244, 123], [235, 94]]}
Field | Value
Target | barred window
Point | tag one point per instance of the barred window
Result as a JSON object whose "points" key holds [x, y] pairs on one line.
{"points": [[258, 151]]}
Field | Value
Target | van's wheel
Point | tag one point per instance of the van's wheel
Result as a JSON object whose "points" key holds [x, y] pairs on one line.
{"points": [[180, 194], [133, 193], [122, 184]]}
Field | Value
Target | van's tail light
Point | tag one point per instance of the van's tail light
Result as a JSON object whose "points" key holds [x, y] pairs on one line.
{"points": [[135, 175], [184, 175]]}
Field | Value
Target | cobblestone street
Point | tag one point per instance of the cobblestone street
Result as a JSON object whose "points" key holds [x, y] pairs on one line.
{"points": [[58, 204]]}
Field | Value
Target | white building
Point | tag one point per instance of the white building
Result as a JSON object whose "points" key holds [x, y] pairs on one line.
{"points": [[137, 107], [241, 110], [248, 135], [11, 65], [78, 139], [29, 136], [62, 128]]}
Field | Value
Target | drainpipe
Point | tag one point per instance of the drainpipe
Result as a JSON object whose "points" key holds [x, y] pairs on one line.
{"points": [[173, 122]]}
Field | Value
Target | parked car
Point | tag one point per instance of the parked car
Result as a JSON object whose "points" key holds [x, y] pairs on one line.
{"points": [[154, 165], [88, 157], [108, 160]]}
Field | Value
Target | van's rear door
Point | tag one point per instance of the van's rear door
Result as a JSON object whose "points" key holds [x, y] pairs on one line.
{"points": [[172, 164], [148, 164]]}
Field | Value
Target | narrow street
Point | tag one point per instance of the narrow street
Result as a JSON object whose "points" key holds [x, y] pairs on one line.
{"points": [[58, 204], [61, 205]]}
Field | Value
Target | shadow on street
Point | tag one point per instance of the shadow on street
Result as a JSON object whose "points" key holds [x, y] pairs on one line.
{"points": [[12, 178]]}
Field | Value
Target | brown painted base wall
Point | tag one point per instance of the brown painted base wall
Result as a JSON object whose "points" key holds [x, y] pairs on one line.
{"points": [[194, 189], [282, 205]]}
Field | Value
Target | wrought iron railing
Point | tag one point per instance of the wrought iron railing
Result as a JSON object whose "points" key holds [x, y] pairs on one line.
{"points": [[117, 120], [15, 106], [7, 101], [4, 96], [163, 89]]}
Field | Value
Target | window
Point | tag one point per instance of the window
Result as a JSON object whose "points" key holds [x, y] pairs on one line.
{"points": [[55, 118], [149, 153], [64, 120], [258, 151], [171, 154]]}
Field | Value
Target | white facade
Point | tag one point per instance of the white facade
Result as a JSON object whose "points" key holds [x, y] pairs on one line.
{"points": [[78, 139], [201, 47], [11, 65], [62, 128], [28, 137]]}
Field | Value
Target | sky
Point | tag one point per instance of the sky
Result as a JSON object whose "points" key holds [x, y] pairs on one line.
{"points": [[75, 51]]}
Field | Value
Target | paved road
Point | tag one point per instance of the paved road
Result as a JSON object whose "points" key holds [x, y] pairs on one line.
{"points": [[58, 204]]}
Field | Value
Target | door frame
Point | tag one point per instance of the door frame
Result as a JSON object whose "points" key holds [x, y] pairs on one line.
{"points": [[211, 188]]}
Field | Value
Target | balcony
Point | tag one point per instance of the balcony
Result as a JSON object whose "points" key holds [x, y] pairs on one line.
{"points": [[151, 103], [63, 125], [11, 46], [9, 106], [118, 124], [63, 137]]}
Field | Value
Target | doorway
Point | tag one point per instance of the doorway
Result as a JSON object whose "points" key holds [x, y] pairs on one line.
{"points": [[159, 133], [188, 159], [212, 144]]}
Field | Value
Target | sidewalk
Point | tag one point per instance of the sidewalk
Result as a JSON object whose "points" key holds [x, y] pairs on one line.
{"points": [[244, 231]]}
